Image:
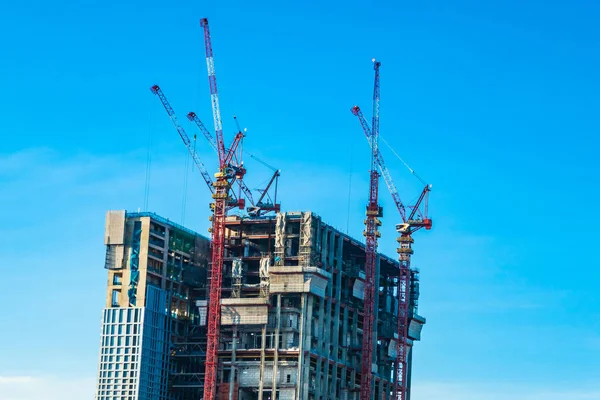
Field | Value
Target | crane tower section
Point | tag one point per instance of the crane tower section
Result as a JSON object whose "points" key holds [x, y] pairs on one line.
{"points": [[371, 233]]}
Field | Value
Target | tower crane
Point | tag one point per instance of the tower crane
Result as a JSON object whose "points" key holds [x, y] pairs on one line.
{"points": [[372, 222], [417, 219], [224, 178]]}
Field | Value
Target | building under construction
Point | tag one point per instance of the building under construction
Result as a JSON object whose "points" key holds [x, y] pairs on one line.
{"points": [[291, 311]]}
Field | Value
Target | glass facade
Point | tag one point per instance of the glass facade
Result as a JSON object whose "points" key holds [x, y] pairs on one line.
{"points": [[130, 335]]}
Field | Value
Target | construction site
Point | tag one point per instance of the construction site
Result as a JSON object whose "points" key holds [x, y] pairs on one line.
{"points": [[270, 304]]}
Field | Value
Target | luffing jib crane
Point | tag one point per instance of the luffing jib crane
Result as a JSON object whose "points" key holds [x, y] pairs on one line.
{"points": [[231, 170], [416, 220], [372, 222]]}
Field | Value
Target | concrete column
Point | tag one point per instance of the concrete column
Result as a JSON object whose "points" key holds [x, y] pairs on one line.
{"points": [[305, 340], [375, 319], [232, 374], [344, 382], [276, 351], [324, 246], [263, 343], [336, 318], [319, 326]]}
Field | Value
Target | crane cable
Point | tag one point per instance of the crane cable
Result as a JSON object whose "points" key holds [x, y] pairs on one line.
{"points": [[412, 171]]}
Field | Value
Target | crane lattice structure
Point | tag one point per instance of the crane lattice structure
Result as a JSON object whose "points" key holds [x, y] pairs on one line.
{"points": [[230, 170], [417, 219], [371, 233]]}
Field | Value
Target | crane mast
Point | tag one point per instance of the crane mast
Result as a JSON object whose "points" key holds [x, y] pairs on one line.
{"points": [[214, 95], [371, 233], [223, 182]]}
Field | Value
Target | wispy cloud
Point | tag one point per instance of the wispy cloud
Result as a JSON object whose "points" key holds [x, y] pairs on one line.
{"points": [[12, 380], [45, 387]]}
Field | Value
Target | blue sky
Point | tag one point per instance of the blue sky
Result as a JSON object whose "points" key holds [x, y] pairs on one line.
{"points": [[495, 103]]}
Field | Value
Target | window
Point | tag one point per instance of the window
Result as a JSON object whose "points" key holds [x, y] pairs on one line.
{"points": [[288, 379], [117, 279], [116, 296]]}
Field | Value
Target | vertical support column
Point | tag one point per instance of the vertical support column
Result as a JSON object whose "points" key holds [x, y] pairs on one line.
{"points": [[327, 331], [324, 253], [321, 329], [336, 319], [376, 352], [356, 365], [318, 374], [301, 322], [346, 344], [233, 362], [307, 303], [276, 351], [263, 343]]}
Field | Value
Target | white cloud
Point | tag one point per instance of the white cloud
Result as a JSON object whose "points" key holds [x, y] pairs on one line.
{"points": [[45, 387], [11, 380]]}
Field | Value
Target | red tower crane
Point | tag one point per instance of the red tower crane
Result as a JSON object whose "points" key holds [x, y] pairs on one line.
{"points": [[371, 233], [409, 225], [222, 185]]}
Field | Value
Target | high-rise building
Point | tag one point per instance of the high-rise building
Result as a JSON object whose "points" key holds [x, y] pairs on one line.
{"points": [[291, 324], [153, 267]]}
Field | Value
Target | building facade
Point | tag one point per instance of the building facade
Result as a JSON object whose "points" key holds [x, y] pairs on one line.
{"points": [[291, 311], [156, 272]]}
